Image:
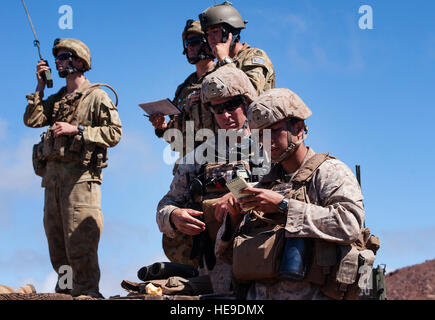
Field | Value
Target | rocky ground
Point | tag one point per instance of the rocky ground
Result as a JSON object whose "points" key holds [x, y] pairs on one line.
{"points": [[412, 283], [415, 282]]}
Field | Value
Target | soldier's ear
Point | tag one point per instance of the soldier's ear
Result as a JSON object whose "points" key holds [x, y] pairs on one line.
{"points": [[297, 127]]}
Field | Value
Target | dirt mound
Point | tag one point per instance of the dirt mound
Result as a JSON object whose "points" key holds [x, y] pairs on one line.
{"points": [[412, 283]]}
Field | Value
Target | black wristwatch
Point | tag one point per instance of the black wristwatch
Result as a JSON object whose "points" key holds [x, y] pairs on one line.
{"points": [[225, 61], [81, 129], [283, 205]]}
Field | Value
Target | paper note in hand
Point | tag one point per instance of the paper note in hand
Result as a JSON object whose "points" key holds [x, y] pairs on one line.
{"points": [[235, 186], [165, 106]]}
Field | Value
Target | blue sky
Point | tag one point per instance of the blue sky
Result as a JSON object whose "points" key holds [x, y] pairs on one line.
{"points": [[371, 93]]}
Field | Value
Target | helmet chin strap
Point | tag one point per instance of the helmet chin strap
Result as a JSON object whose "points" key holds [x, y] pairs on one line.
{"points": [[292, 146], [69, 69], [202, 54]]}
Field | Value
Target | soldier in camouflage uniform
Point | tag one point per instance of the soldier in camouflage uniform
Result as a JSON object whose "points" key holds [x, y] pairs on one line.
{"points": [[227, 92], [187, 94], [222, 24], [83, 123], [329, 212]]}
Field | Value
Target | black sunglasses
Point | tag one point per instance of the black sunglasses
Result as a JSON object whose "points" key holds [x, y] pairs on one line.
{"points": [[229, 105], [194, 41], [64, 56]]}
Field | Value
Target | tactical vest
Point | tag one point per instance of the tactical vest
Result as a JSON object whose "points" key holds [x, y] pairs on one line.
{"points": [[204, 192], [191, 111], [335, 269], [69, 148]]}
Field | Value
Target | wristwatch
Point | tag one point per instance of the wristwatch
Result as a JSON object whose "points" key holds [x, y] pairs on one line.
{"points": [[283, 205], [225, 61], [81, 129]]}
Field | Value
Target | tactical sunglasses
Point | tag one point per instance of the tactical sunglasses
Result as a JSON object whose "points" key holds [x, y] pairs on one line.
{"points": [[229, 105], [64, 56], [194, 41]]}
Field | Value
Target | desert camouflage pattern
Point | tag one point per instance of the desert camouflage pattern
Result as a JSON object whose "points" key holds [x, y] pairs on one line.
{"points": [[98, 115], [77, 47], [258, 67], [275, 105], [72, 212], [178, 197], [187, 97], [335, 214], [73, 224], [192, 26], [227, 82]]}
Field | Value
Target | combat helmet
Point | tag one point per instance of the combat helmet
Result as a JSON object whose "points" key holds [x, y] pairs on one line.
{"points": [[78, 49], [275, 105], [225, 15], [227, 82], [204, 52]]}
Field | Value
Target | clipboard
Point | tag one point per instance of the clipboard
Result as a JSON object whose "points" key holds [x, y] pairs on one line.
{"points": [[165, 106]]}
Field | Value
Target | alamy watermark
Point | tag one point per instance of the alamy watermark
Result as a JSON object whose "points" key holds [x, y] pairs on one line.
{"points": [[366, 20], [226, 146], [66, 280], [66, 20]]}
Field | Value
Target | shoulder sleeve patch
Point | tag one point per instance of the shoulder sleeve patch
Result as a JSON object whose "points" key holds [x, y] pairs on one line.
{"points": [[258, 60]]}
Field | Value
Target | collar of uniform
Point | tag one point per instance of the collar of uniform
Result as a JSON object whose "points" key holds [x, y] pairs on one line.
{"points": [[278, 175], [78, 92], [238, 54], [209, 70], [289, 176]]}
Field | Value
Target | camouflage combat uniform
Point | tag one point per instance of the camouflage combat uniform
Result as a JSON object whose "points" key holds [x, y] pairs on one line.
{"points": [[335, 214], [187, 97], [73, 220], [179, 197], [257, 66]]}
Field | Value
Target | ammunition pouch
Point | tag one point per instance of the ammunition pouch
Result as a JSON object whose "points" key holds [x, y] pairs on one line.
{"points": [[38, 161], [67, 148], [342, 271], [258, 247]]}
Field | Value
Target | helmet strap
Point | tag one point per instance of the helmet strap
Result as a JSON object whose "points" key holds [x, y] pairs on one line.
{"points": [[70, 69], [292, 146]]}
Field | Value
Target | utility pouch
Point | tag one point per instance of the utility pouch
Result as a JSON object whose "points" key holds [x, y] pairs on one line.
{"points": [[47, 144], [60, 146], [39, 163], [76, 144], [212, 224], [86, 156], [257, 251]]}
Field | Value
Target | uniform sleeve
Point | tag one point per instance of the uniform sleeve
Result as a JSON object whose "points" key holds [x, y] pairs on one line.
{"points": [[340, 215], [38, 112], [108, 129], [176, 198], [259, 69]]}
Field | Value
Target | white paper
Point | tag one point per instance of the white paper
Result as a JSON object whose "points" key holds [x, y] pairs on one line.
{"points": [[164, 106]]}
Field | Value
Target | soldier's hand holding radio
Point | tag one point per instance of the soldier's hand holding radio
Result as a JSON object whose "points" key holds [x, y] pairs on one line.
{"points": [[40, 68]]}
